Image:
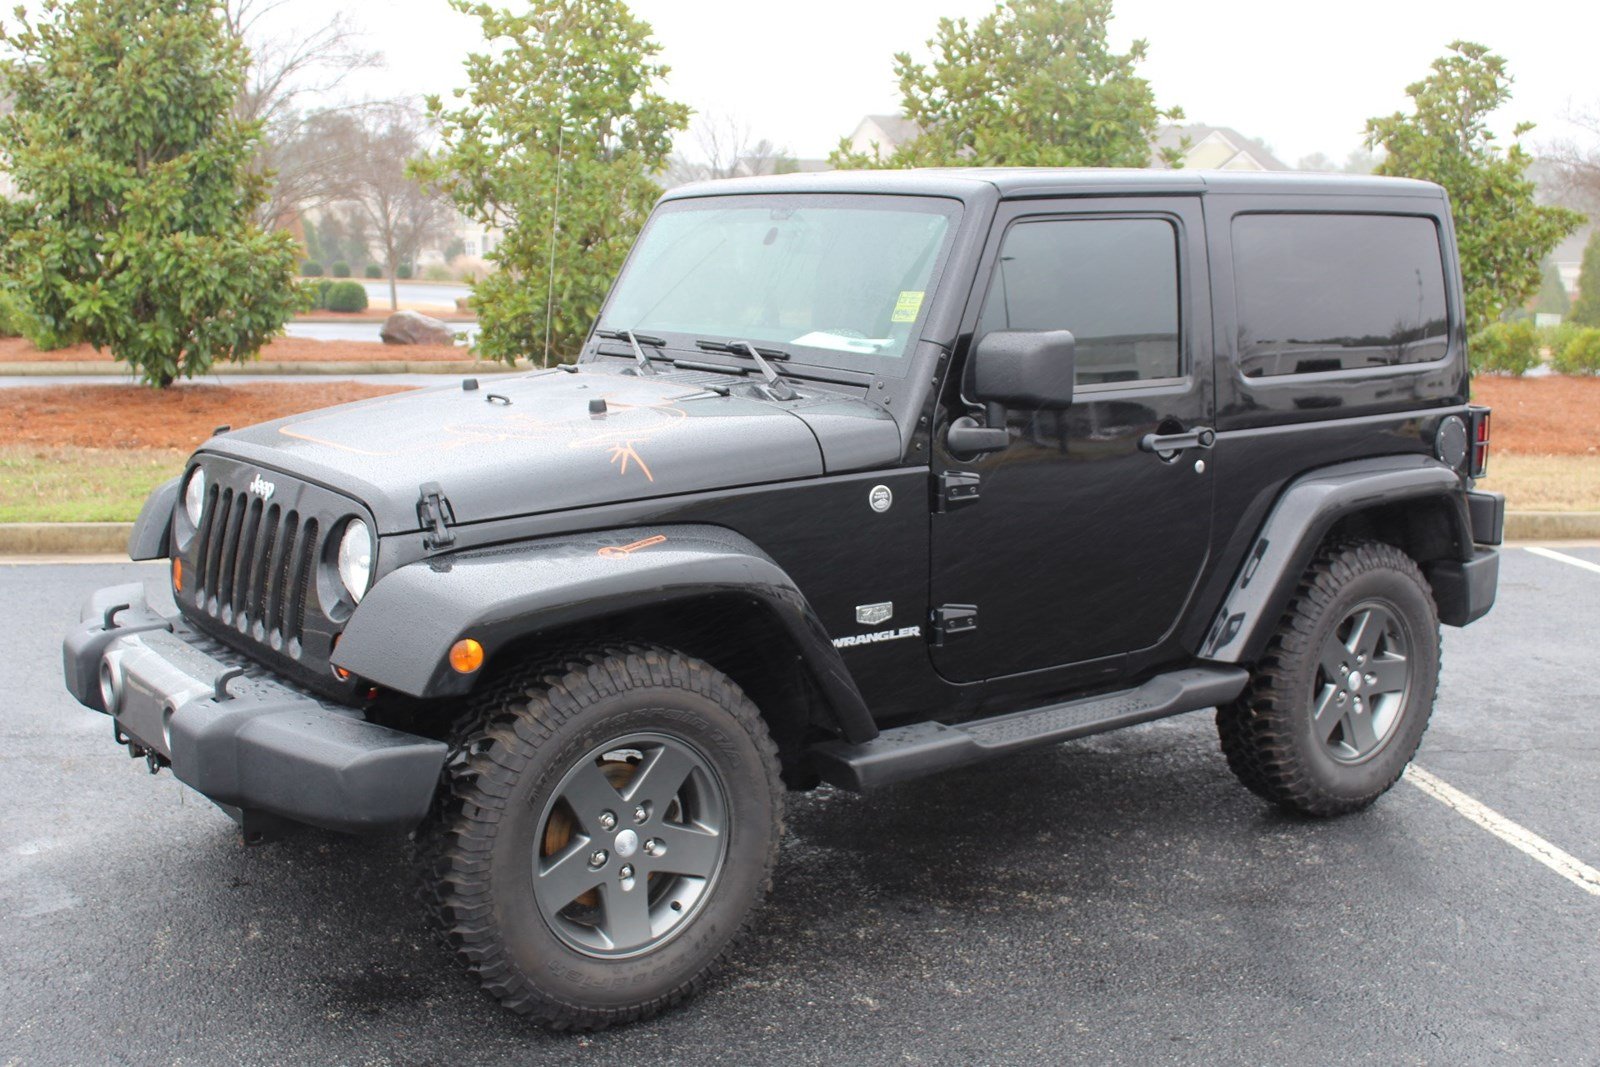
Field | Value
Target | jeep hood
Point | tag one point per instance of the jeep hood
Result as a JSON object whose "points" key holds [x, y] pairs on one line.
{"points": [[546, 442]]}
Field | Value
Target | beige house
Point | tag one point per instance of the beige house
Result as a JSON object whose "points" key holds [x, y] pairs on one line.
{"points": [[879, 135]]}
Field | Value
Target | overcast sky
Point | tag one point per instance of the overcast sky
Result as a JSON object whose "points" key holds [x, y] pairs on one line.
{"points": [[1301, 76]]}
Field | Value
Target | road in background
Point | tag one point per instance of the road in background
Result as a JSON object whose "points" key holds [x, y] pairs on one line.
{"points": [[1116, 900]]}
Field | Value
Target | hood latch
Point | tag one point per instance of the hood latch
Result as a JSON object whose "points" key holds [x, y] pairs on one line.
{"points": [[436, 515]]}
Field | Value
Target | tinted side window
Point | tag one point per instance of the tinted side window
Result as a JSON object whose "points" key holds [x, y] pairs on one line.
{"points": [[1337, 292], [1112, 282]]}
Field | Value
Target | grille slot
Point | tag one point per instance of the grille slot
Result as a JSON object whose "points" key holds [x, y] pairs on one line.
{"points": [[254, 567]]}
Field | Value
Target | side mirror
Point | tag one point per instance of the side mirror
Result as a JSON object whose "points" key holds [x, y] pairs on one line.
{"points": [[1031, 369], [1024, 368]]}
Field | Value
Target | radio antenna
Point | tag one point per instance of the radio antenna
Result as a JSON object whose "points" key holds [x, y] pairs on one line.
{"points": [[555, 225]]}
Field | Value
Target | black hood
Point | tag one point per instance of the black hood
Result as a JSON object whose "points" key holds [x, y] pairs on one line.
{"points": [[537, 443]]}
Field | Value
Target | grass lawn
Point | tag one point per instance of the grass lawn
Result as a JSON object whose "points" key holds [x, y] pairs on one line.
{"points": [[81, 484], [1545, 483]]}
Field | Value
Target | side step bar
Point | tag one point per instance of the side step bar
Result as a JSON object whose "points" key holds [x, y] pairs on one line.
{"points": [[922, 748]]}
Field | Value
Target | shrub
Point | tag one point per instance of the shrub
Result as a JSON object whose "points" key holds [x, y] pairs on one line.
{"points": [[13, 315], [1581, 354], [341, 269], [311, 269], [347, 296], [1505, 348], [404, 271], [372, 270], [437, 272]]}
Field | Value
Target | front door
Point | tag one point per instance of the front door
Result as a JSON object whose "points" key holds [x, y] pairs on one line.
{"points": [[1080, 545]]}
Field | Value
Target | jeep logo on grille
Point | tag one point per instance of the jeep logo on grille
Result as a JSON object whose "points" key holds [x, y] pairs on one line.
{"points": [[262, 488]]}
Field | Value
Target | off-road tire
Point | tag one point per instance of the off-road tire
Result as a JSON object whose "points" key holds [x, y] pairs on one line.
{"points": [[1267, 733], [522, 732]]}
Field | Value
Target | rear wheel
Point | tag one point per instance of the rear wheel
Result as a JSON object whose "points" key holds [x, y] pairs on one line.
{"points": [[608, 828], [1340, 700]]}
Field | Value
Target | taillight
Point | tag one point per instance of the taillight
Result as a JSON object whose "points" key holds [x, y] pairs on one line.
{"points": [[1478, 423]]}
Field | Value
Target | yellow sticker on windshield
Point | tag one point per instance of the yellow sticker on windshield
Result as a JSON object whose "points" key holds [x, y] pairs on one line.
{"points": [[906, 308]]}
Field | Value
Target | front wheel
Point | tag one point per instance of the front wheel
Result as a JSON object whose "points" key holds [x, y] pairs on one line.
{"points": [[608, 828], [1338, 705]]}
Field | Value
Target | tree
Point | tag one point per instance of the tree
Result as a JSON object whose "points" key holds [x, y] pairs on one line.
{"points": [[1552, 298], [293, 58], [1033, 83], [1501, 232], [1578, 165], [555, 143], [378, 146], [132, 225], [1586, 309]]}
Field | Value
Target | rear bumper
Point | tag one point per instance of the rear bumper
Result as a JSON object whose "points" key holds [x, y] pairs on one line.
{"points": [[234, 732], [1465, 590]]}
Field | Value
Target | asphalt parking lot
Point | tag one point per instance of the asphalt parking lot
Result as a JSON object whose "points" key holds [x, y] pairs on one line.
{"points": [[1119, 900]]}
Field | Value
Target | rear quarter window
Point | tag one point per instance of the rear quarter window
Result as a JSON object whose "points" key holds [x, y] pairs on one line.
{"points": [[1331, 292]]}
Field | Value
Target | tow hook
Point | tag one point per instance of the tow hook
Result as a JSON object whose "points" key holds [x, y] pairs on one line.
{"points": [[153, 760]]}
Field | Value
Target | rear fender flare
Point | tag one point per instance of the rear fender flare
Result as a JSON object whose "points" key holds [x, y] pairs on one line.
{"points": [[401, 634], [1303, 516]]}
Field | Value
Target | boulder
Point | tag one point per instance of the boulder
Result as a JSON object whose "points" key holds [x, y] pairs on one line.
{"points": [[415, 328]]}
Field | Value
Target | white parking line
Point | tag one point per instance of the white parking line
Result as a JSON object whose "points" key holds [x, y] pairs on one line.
{"points": [[1549, 553], [1524, 840]]}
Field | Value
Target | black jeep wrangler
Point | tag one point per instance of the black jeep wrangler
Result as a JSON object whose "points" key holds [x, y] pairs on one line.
{"points": [[858, 477]]}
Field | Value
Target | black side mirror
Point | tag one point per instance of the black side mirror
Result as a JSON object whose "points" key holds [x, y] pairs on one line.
{"points": [[1031, 369], [1024, 368]]}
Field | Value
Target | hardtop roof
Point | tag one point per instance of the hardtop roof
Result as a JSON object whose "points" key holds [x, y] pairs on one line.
{"points": [[964, 183]]}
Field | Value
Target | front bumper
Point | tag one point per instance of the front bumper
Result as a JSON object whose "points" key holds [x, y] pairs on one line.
{"points": [[237, 734]]}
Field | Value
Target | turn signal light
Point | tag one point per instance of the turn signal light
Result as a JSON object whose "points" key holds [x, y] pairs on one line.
{"points": [[177, 575], [466, 656]]}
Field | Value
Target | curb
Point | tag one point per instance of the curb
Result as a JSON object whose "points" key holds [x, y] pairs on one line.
{"points": [[107, 369], [111, 538]]}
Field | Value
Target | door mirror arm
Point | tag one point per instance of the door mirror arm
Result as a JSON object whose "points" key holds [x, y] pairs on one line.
{"points": [[968, 437]]}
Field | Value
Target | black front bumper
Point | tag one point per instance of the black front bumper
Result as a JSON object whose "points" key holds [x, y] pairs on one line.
{"points": [[237, 734]]}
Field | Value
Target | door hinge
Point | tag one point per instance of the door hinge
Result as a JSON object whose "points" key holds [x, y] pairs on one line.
{"points": [[956, 488], [950, 620], [435, 514]]}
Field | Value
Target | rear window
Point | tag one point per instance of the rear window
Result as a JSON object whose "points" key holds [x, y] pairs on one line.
{"points": [[1337, 292]]}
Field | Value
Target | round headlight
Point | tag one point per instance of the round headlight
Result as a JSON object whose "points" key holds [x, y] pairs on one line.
{"points": [[355, 558], [194, 497]]}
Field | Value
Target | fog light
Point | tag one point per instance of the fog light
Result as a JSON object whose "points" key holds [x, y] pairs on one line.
{"points": [[110, 688], [466, 656]]}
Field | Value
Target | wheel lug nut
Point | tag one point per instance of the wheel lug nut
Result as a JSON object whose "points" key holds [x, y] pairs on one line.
{"points": [[607, 820], [641, 813], [1344, 668], [1361, 660], [652, 847], [1371, 678], [1339, 696], [626, 872], [598, 858]]}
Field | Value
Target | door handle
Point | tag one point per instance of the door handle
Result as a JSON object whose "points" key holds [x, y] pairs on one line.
{"points": [[1170, 444]]}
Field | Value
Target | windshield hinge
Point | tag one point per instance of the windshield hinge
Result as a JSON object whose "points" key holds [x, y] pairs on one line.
{"points": [[956, 488], [952, 619], [435, 514]]}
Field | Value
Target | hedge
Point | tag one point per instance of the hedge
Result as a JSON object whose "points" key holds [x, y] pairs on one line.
{"points": [[347, 296]]}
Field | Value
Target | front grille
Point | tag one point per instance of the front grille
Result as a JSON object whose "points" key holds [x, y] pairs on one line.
{"points": [[255, 564]]}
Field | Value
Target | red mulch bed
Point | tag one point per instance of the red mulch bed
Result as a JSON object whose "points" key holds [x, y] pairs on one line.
{"points": [[282, 350], [1555, 416], [133, 416]]}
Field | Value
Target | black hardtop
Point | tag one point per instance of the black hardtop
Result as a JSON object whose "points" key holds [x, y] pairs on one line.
{"points": [[974, 183]]}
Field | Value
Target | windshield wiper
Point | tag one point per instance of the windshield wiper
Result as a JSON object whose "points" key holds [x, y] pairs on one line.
{"points": [[634, 340], [780, 389]]}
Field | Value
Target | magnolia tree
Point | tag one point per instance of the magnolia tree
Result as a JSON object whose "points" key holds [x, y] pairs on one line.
{"points": [[555, 142], [131, 228], [1034, 83], [1502, 233]]}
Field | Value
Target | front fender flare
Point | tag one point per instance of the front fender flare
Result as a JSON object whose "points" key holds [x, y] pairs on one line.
{"points": [[1304, 513], [400, 635]]}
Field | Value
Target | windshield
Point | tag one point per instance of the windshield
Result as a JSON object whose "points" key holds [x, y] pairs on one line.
{"points": [[834, 274]]}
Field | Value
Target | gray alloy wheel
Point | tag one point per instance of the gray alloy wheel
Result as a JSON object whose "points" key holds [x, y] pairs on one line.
{"points": [[607, 826], [630, 843], [1340, 698], [1363, 682]]}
